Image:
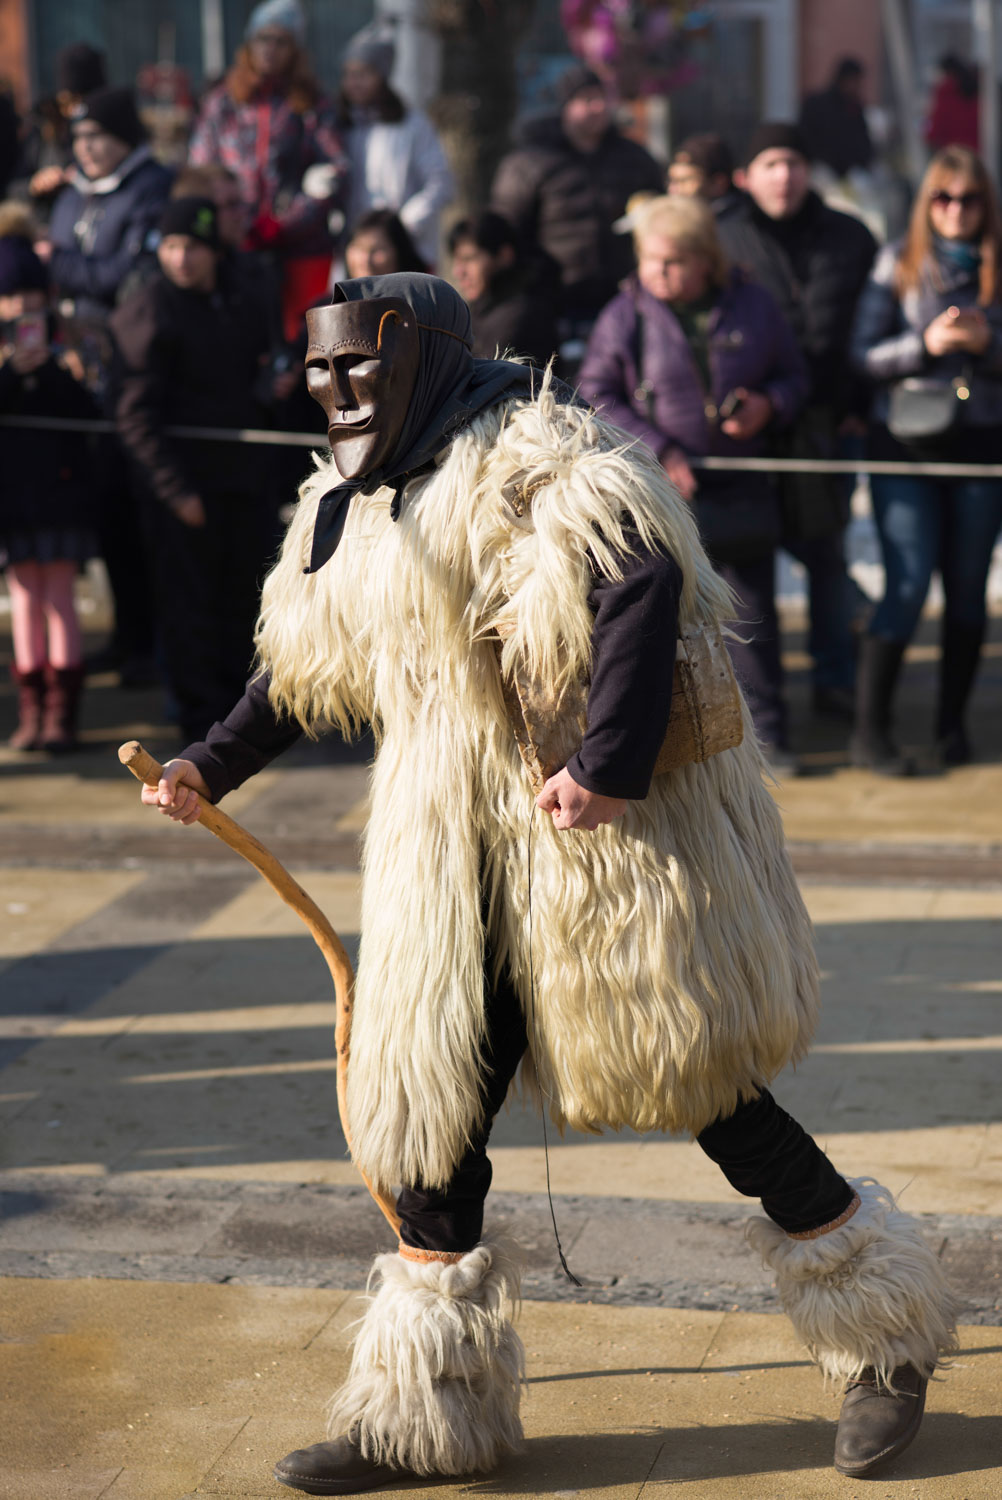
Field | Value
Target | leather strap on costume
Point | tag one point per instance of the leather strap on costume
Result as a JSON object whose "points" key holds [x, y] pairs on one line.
{"points": [[843, 1218], [430, 1257], [149, 771]]}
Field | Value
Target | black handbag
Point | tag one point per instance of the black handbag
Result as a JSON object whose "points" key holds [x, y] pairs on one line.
{"points": [[921, 407]]}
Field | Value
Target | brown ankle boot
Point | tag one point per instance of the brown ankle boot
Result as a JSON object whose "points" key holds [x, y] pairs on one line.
{"points": [[877, 1423], [63, 686], [337, 1468], [30, 698]]}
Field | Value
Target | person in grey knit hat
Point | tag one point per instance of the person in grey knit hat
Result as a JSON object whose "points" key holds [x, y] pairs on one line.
{"points": [[284, 15], [374, 46], [397, 160]]}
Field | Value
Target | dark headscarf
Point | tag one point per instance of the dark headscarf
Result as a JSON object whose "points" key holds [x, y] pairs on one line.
{"points": [[451, 388]]}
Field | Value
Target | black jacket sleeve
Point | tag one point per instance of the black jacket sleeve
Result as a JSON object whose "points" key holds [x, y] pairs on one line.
{"points": [[247, 740], [633, 661], [143, 341]]}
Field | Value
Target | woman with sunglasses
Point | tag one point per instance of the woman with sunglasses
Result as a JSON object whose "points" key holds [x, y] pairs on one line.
{"points": [[928, 333]]}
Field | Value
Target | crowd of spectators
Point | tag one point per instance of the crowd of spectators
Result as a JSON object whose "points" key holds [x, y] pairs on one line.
{"points": [[720, 309]]}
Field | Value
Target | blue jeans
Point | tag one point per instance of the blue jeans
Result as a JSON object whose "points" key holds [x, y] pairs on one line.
{"points": [[924, 524]]}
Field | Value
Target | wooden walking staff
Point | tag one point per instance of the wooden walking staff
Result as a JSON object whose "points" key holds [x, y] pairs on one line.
{"points": [[146, 769]]}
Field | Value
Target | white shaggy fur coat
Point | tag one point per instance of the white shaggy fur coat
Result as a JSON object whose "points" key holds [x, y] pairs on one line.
{"points": [[672, 959]]}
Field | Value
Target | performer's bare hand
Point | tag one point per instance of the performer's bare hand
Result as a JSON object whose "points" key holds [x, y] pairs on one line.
{"points": [[177, 802], [571, 806]]}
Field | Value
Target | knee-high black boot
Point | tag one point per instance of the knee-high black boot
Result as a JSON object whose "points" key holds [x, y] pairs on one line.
{"points": [[871, 744], [958, 665]]}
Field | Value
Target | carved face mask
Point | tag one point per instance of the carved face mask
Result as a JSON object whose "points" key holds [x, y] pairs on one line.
{"points": [[361, 366]]}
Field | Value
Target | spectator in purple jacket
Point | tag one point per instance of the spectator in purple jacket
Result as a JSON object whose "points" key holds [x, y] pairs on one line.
{"points": [[694, 360]]}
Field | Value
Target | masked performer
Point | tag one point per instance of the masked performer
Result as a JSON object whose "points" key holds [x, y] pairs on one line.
{"points": [[663, 973]]}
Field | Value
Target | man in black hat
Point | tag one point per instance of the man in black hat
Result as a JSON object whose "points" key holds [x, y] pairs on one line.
{"points": [[814, 261], [194, 345], [565, 187]]}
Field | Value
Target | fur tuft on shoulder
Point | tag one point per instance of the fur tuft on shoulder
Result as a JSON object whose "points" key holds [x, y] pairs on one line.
{"points": [[315, 670], [583, 492]]}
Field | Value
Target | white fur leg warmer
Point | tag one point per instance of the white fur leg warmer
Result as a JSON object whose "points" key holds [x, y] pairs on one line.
{"points": [[437, 1368], [868, 1293]]}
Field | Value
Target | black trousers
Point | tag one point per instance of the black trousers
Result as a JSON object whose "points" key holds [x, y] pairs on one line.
{"points": [[756, 657], [208, 581], [761, 1150]]}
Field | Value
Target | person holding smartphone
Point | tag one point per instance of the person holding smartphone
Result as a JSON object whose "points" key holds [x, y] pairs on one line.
{"points": [[930, 321], [694, 358], [46, 519]]}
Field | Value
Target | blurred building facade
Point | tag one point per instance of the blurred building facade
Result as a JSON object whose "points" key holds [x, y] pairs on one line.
{"points": [[744, 59]]}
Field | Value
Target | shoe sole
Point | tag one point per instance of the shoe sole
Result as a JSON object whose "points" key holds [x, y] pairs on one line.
{"points": [[337, 1486], [859, 1471]]}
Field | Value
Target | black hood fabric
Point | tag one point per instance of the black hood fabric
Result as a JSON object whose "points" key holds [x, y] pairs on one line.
{"points": [[451, 388]]}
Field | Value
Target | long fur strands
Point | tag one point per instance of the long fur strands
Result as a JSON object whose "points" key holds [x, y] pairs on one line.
{"points": [[673, 956], [437, 1367], [868, 1293]]}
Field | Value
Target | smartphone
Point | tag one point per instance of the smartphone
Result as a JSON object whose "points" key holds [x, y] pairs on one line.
{"points": [[730, 406], [31, 331]]}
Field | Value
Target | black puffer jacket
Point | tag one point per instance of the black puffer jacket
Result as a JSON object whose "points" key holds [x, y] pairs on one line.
{"points": [[192, 359], [516, 314], [99, 229], [47, 483], [814, 264], [887, 342], [566, 202]]}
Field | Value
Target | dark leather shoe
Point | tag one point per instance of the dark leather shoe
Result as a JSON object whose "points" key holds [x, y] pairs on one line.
{"points": [[337, 1468], [877, 752], [876, 1425]]}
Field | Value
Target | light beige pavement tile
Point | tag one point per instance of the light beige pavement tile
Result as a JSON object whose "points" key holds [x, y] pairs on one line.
{"points": [[259, 910], [38, 905], [66, 797], [945, 1170], [853, 807], [202, 1387], [773, 1439], [147, 1377], [866, 905], [68, 1481]]}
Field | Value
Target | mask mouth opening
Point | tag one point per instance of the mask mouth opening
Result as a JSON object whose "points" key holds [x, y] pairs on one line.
{"points": [[352, 421]]}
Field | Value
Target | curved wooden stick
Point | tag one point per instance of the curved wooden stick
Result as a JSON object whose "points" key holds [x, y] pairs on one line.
{"points": [[146, 769]]}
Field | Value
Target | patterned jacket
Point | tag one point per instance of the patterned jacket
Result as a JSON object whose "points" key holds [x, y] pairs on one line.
{"points": [[269, 146]]}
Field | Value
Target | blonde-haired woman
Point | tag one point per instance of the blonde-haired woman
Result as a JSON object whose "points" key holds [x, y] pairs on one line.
{"points": [[694, 359], [932, 311]]}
